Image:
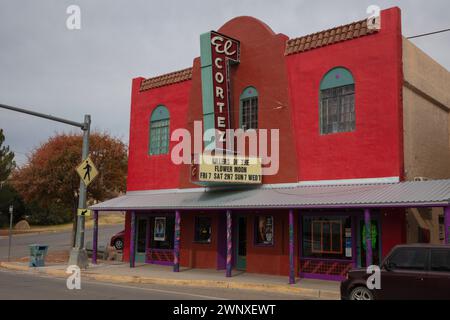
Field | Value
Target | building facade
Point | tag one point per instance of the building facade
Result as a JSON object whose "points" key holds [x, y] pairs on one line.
{"points": [[361, 114]]}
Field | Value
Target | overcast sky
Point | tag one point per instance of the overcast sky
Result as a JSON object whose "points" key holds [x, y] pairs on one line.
{"points": [[48, 68]]}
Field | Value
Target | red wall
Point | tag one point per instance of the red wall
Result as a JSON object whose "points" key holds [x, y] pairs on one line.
{"points": [[198, 255], [272, 259], [289, 100], [375, 148], [147, 172], [393, 229], [260, 259]]}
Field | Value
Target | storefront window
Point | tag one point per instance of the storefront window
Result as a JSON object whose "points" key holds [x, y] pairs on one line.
{"points": [[327, 237], [264, 230], [162, 232], [202, 229]]}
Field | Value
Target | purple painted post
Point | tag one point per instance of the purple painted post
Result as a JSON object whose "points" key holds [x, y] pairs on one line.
{"points": [[95, 238], [368, 226], [291, 248], [132, 238], [354, 241], [447, 224], [229, 244], [176, 253]]}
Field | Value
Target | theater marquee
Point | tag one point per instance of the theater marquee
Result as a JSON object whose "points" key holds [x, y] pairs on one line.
{"points": [[226, 169]]}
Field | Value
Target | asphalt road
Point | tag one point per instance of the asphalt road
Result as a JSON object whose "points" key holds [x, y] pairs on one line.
{"points": [[56, 241], [24, 286]]}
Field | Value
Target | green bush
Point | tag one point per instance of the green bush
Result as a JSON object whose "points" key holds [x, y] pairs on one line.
{"points": [[51, 215]]}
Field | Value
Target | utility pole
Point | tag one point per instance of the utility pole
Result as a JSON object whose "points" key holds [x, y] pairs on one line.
{"points": [[78, 255]]}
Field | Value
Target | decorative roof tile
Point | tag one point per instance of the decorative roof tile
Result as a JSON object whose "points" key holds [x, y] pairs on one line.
{"points": [[323, 38], [166, 79]]}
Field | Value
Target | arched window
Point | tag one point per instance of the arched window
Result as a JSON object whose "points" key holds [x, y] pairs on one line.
{"points": [[159, 131], [248, 115], [337, 102]]}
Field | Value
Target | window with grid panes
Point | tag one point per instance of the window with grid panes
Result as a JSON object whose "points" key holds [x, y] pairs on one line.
{"points": [[337, 108], [249, 109], [159, 131], [337, 102]]}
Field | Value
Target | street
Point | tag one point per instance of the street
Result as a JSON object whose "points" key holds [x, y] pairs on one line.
{"points": [[20, 285], [57, 241]]}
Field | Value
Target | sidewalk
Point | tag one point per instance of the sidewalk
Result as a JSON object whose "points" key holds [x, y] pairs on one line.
{"points": [[163, 275]]}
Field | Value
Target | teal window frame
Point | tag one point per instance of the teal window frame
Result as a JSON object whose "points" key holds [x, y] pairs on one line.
{"points": [[248, 108], [337, 102], [159, 135]]}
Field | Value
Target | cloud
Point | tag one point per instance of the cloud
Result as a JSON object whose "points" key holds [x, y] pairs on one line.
{"points": [[47, 68]]}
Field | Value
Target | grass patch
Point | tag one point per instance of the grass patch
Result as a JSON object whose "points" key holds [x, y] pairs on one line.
{"points": [[110, 218]]}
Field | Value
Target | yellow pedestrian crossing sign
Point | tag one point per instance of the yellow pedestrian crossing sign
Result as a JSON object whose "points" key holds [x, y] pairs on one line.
{"points": [[84, 212], [87, 171]]}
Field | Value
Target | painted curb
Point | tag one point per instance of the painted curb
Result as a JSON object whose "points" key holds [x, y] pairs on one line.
{"points": [[306, 292]]}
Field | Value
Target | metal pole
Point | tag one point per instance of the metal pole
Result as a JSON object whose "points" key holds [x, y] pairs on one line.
{"points": [[42, 115], [95, 238], [291, 247], [11, 208], [176, 255], [447, 224], [229, 243], [78, 255], [368, 226], [132, 238]]}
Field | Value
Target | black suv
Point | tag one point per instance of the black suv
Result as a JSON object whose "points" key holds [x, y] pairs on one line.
{"points": [[416, 271]]}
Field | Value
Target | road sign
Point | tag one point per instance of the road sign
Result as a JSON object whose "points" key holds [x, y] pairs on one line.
{"points": [[87, 171], [84, 212]]}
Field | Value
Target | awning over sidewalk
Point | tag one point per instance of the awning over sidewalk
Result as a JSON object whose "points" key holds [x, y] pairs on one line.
{"points": [[433, 193]]}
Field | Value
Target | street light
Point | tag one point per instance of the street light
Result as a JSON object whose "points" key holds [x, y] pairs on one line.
{"points": [[11, 210], [78, 255]]}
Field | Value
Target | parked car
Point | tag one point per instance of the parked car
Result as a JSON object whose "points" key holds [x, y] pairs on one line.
{"points": [[117, 240], [419, 271]]}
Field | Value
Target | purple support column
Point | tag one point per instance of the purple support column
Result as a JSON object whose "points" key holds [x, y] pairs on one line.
{"points": [[447, 224], [229, 244], [176, 253], [132, 238], [95, 238], [368, 227], [291, 248]]}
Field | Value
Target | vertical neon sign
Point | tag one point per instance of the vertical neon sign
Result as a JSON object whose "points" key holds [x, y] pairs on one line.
{"points": [[218, 53]]}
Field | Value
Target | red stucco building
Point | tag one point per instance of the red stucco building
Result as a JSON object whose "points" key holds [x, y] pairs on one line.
{"points": [[340, 196]]}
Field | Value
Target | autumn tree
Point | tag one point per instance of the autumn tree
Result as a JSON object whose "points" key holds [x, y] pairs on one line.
{"points": [[50, 184]]}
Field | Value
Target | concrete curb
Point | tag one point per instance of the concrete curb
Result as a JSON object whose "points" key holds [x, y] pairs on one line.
{"points": [[307, 292]]}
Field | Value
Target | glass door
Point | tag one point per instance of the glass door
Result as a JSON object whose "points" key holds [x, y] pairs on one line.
{"points": [[141, 239], [241, 240], [161, 240]]}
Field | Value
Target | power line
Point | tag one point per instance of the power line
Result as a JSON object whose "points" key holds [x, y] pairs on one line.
{"points": [[427, 34]]}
